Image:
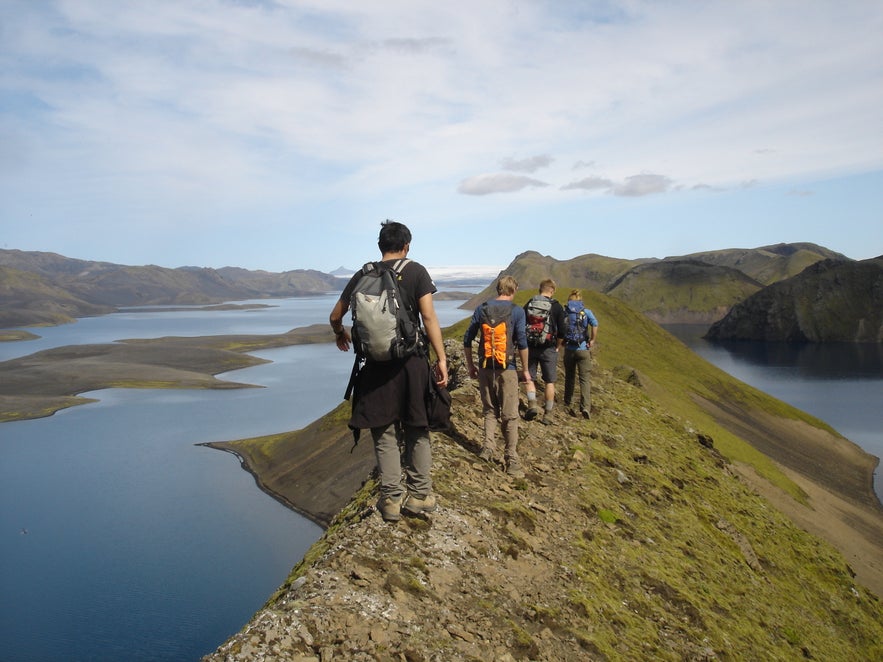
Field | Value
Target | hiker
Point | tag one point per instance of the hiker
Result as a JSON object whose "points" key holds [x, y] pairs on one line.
{"points": [[500, 324], [580, 333], [388, 396], [545, 337]]}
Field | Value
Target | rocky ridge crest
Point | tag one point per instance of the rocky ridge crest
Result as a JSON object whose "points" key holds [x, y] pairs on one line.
{"points": [[630, 538]]}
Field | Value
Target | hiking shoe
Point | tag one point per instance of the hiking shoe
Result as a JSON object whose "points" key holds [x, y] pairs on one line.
{"points": [[585, 413], [514, 469], [531, 413], [486, 454], [390, 508], [547, 418], [417, 506]]}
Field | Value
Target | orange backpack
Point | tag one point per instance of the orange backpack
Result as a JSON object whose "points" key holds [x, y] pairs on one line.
{"points": [[497, 348]]}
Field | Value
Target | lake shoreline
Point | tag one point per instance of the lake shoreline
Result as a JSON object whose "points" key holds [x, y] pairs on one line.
{"points": [[310, 480]]}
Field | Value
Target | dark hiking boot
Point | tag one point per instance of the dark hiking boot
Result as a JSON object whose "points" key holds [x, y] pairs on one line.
{"points": [[531, 412]]}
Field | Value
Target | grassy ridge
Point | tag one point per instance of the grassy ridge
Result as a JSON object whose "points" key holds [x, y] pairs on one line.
{"points": [[674, 375], [630, 538]]}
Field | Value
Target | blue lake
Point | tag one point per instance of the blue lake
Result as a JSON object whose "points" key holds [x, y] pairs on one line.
{"points": [[141, 545], [840, 383]]}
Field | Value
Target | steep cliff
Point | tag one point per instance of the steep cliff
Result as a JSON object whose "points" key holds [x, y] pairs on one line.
{"points": [[830, 301]]}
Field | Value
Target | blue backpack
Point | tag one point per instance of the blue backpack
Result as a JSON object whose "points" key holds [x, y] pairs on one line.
{"points": [[575, 323]]}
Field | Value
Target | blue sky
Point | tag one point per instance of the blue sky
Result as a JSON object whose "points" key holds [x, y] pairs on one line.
{"points": [[279, 134]]}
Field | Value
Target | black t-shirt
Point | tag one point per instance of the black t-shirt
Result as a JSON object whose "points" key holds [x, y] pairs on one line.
{"points": [[391, 391], [557, 318]]}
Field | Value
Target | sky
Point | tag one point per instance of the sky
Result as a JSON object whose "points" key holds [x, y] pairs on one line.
{"points": [[279, 134]]}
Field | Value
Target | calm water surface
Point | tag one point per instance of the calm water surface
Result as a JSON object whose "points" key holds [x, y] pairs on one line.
{"points": [[121, 539], [840, 383]]}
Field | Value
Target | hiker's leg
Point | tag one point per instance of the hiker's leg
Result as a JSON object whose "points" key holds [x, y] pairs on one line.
{"points": [[569, 375], [584, 360], [533, 359], [389, 460], [490, 405], [549, 365], [508, 381], [418, 461]]}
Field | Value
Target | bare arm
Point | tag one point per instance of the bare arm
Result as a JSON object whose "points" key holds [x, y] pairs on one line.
{"points": [[336, 319], [523, 354], [433, 332], [470, 364]]}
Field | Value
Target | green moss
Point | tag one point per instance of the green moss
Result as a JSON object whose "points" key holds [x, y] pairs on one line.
{"points": [[607, 516]]}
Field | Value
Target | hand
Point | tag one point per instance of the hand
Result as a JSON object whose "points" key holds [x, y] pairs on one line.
{"points": [[473, 371], [343, 341], [527, 376], [440, 372]]}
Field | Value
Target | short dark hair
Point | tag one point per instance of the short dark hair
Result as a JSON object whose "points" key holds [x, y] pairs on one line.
{"points": [[393, 237]]}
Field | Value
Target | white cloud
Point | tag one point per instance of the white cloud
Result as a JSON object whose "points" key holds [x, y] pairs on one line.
{"points": [[502, 182], [646, 184], [590, 184], [630, 187], [530, 164], [197, 109]]}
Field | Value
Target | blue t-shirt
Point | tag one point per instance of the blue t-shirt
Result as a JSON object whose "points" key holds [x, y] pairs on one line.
{"points": [[589, 318]]}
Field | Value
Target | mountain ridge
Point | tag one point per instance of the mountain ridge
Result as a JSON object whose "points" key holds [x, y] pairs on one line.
{"points": [[647, 532], [670, 290], [75, 288], [698, 288]]}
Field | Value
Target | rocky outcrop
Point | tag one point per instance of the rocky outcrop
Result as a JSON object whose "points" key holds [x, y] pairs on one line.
{"points": [[831, 301]]}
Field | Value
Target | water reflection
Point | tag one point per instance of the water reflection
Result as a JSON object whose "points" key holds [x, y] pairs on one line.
{"points": [[812, 360]]}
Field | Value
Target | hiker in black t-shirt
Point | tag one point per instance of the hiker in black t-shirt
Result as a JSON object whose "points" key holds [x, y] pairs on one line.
{"points": [[389, 396], [545, 338]]}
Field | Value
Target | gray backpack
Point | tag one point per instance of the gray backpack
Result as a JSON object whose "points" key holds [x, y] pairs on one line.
{"points": [[383, 328]]}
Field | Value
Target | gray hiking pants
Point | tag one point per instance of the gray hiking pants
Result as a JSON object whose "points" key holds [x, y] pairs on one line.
{"points": [[499, 398], [417, 461], [578, 362]]}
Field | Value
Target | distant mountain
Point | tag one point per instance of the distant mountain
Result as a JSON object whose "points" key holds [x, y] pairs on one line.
{"points": [[591, 272], [767, 264], [28, 299], [830, 301], [685, 291], [698, 288], [46, 288]]}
